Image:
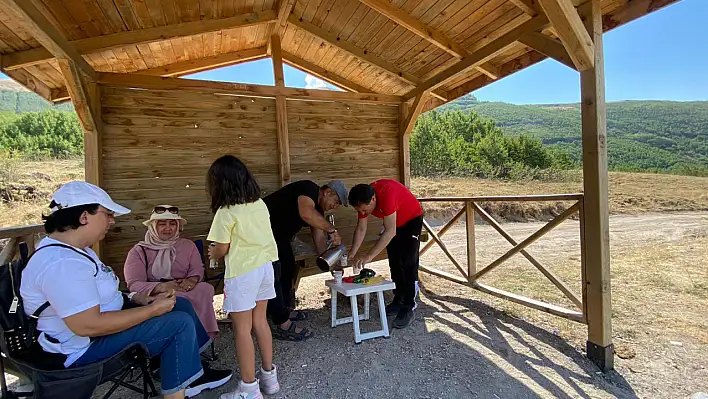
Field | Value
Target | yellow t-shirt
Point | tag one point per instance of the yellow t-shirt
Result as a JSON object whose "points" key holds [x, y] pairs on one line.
{"points": [[246, 227]]}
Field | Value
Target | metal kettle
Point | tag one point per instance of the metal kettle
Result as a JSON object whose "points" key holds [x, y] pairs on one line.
{"points": [[330, 258]]}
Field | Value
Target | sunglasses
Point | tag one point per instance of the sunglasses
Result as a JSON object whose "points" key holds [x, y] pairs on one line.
{"points": [[162, 209]]}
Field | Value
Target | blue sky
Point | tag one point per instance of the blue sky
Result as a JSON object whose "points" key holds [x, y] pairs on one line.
{"points": [[662, 56]]}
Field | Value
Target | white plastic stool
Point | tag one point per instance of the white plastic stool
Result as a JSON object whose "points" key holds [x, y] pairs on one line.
{"points": [[352, 290]]}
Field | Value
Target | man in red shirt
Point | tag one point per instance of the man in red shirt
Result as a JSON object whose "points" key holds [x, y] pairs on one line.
{"points": [[403, 220]]}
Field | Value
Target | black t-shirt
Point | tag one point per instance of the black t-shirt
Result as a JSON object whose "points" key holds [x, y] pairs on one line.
{"points": [[285, 220]]}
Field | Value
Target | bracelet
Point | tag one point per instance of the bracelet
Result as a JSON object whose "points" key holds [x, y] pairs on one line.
{"points": [[131, 295]]}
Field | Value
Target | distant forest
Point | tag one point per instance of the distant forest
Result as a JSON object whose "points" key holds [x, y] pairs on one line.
{"points": [[643, 136]]}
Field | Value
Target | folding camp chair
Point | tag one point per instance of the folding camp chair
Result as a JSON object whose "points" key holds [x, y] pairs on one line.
{"points": [[46, 370]]}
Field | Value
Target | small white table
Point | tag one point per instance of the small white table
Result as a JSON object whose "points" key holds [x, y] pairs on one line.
{"points": [[352, 291]]}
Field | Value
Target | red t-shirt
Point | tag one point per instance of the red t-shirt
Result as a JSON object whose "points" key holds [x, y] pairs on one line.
{"points": [[392, 196]]}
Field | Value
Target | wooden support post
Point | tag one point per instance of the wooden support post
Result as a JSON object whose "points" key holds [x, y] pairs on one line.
{"points": [[409, 115], [471, 250], [595, 205], [281, 111], [87, 103]]}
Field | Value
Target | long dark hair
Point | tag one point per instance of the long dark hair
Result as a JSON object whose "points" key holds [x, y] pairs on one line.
{"points": [[229, 182], [67, 218]]}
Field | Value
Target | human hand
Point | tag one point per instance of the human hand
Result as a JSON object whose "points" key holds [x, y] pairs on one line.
{"points": [[188, 284], [335, 239], [162, 304], [140, 299], [167, 286], [359, 263]]}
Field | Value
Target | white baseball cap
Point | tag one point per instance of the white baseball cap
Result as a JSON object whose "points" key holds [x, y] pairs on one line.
{"points": [[77, 193]]}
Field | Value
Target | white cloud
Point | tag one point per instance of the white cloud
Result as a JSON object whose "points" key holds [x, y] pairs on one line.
{"points": [[312, 82]]}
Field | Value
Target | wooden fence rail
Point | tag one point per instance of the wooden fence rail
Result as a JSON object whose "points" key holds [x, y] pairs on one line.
{"points": [[471, 273], [15, 236]]}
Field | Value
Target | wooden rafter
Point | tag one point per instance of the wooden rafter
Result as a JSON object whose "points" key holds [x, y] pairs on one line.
{"points": [[161, 83], [357, 52], [419, 28], [549, 47], [37, 24], [205, 64], [530, 7], [315, 70], [571, 31], [101, 43], [480, 56], [616, 18], [284, 9]]}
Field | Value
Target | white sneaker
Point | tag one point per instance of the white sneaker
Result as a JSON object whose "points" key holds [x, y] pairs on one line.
{"points": [[244, 391], [269, 381]]}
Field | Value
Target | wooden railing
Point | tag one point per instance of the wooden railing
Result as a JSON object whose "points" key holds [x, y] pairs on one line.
{"points": [[472, 274], [16, 235]]}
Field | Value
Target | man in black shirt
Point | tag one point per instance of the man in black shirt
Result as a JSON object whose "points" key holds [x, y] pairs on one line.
{"points": [[299, 204]]}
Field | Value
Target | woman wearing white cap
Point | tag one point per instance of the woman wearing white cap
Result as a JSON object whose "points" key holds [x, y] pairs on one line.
{"points": [[164, 261], [87, 319]]}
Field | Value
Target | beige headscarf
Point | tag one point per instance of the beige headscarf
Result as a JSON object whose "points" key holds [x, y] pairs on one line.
{"points": [[166, 251]]}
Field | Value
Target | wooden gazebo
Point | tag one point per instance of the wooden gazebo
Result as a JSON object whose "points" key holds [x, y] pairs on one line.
{"points": [[151, 135]]}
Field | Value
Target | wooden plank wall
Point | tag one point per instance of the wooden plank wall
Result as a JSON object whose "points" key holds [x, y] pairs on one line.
{"points": [[158, 145], [355, 143]]}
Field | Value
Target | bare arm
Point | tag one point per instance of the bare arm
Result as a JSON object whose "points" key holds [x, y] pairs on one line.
{"points": [[385, 238], [308, 213], [93, 323], [219, 250], [359, 234], [318, 237]]}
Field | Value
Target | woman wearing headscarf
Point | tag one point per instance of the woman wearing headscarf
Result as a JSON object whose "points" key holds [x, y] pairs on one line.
{"points": [[164, 261]]}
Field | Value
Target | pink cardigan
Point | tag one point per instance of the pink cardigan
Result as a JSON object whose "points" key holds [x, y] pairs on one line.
{"points": [[187, 263]]}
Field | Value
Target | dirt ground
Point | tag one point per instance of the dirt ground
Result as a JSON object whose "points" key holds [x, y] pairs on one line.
{"points": [[465, 344]]}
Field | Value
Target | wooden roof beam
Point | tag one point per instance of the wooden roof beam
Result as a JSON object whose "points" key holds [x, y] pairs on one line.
{"points": [[548, 47], [37, 24], [90, 45], [571, 31], [530, 7], [241, 89], [334, 40], [419, 28], [319, 72], [480, 56], [205, 64], [284, 10]]}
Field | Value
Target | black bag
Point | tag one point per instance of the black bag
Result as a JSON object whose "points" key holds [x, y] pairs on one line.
{"points": [[19, 329]]}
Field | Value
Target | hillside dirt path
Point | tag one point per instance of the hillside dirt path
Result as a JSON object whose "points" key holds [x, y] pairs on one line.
{"points": [[465, 344]]}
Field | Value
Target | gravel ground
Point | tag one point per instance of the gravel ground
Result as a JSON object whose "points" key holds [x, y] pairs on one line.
{"points": [[458, 347]]}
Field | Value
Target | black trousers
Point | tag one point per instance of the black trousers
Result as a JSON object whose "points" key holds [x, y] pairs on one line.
{"points": [[284, 271], [403, 259]]}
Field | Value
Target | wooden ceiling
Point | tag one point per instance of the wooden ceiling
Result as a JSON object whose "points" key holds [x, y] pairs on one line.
{"points": [[399, 47]]}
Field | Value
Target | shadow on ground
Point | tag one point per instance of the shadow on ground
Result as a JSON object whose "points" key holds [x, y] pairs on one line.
{"points": [[456, 348]]}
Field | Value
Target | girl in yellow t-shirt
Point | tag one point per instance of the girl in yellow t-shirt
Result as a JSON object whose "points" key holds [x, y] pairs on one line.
{"points": [[242, 234]]}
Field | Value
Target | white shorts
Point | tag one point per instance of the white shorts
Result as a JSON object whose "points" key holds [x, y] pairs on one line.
{"points": [[242, 292]]}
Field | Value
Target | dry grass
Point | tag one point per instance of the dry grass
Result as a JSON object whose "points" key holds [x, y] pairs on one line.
{"points": [[629, 193], [25, 188], [659, 291]]}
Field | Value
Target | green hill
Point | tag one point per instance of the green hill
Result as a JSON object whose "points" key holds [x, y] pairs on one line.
{"points": [[17, 99], [662, 136]]}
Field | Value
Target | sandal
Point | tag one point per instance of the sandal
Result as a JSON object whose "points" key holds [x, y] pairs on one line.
{"points": [[290, 334], [299, 315]]}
